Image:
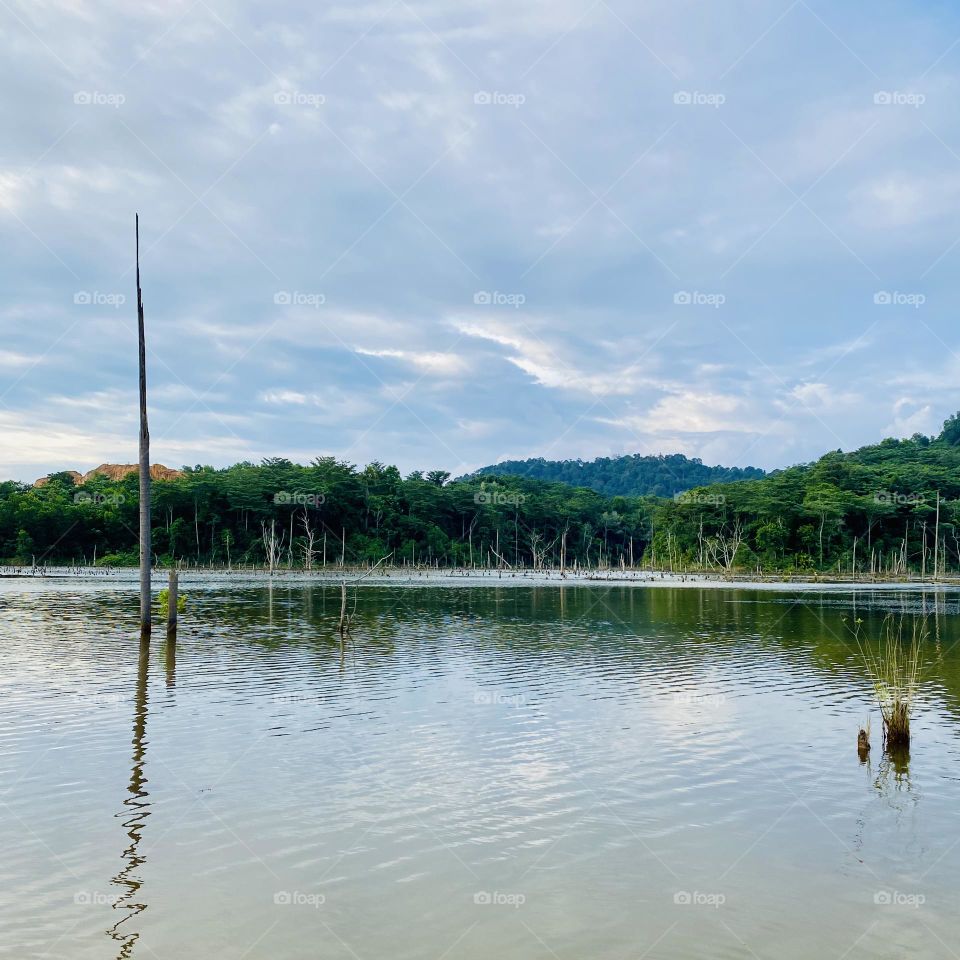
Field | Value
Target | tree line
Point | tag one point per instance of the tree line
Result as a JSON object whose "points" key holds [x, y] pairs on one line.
{"points": [[888, 509]]}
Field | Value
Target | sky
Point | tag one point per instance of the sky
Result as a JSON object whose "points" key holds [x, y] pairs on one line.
{"points": [[443, 234]]}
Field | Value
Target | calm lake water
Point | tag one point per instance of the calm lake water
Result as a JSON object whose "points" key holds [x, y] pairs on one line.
{"points": [[586, 772]]}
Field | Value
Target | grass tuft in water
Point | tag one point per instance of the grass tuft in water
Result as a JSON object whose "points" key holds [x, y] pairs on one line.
{"points": [[894, 664]]}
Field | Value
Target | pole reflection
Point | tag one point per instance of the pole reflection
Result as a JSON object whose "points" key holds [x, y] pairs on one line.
{"points": [[136, 810]]}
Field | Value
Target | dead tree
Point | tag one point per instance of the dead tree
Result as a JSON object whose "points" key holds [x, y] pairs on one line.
{"points": [[310, 535], [722, 548], [145, 544], [272, 547]]}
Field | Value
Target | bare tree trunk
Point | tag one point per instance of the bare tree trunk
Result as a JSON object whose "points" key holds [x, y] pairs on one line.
{"points": [[145, 544], [172, 597], [936, 542]]}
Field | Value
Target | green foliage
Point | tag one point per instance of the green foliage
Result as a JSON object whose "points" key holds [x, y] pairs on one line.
{"points": [[844, 505], [636, 475], [208, 515], [805, 518], [951, 430], [163, 602]]}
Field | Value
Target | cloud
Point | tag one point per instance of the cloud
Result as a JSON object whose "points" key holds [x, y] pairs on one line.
{"points": [[689, 412], [432, 363], [380, 163], [909, 418]]}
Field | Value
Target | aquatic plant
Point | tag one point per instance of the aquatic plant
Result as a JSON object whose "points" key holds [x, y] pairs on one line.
{"points": [[894, 665], [163, 598]]}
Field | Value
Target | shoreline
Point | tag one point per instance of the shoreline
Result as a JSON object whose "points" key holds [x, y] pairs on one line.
{"points": [[360, 577]]}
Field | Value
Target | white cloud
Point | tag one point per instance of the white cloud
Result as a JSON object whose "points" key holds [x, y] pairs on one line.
{"points": [[691, 412], [436, 364], [910, 418]]}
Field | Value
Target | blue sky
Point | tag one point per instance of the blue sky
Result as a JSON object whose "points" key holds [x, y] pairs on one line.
{"points": [[443, 234]]}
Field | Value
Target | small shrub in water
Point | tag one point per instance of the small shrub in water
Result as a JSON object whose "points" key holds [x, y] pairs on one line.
{"points": [[163, 598]]}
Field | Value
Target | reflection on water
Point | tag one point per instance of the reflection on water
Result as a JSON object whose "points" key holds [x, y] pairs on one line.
{"points": [[136, 810], [893, 774], [512, 772], [170, 657]]}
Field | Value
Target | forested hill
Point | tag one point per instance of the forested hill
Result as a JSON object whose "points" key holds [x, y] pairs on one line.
{"points": [[630, 476], [891, 508]]}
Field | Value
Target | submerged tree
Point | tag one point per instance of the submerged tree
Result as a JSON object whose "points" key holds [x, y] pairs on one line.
{"points": [[145, 544]]}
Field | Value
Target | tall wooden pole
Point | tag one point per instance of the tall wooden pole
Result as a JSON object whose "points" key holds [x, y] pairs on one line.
{"points": [[172, 595], [145, 546]]}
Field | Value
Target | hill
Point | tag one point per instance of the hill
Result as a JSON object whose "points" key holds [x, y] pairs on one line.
{"points": [[113, 471], [631, 476]]}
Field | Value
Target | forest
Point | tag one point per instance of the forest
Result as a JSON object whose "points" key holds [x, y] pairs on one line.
{"points": [[892, 508], [630, 476]]}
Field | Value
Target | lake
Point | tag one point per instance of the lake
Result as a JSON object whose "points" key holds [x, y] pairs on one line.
{"points": [[514, 772]]}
